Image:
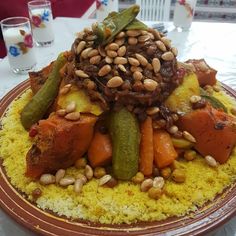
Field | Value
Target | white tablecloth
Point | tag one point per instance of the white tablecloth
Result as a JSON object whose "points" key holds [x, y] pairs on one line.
{"points": [[213, 41]]}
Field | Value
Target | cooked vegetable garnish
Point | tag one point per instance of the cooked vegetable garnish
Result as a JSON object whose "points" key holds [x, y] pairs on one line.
{"points": [[213, 130], [136, 25], [146, 147], [100, 150], [164, 152], [112, 25], [41, 101], [125, 136], [179, 100], [212, 100]]}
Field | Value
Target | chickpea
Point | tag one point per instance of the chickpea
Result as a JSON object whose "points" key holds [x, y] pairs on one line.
{"points": [[154, 193], [99, 172], [166, 172], [138, 178], [175, 165], [190, 155], [178, 175], [81, 163]]}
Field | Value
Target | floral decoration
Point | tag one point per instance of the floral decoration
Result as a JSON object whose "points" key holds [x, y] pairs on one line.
{"points": [[187, 6], [22, 47], [101, 3], [37, 20]]}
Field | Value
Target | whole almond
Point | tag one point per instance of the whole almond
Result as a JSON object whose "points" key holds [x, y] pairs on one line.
{"points": [[85, 52], [115, 82], [111, 53], [150, 85], [80, 47], [108, 60], [121, 51], [73, 116], [120, 61], [93, 53], [104, 70], [95, 60], [167, 56], [122, 68], [156, 65], [113, 46], [120, 35], [143, 61], [133, 61], [161, 45], [71, 107], [132, 41], [81, 74], [166, 41], [133, 33], [137, 75]]}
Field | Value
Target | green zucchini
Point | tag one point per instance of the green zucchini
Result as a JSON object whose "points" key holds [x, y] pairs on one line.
{"points": [[42, 100], [124, 131]]}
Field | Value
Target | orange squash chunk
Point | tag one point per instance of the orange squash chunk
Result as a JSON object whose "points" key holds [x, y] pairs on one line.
{"points": [[58, 144], [213, 130]]}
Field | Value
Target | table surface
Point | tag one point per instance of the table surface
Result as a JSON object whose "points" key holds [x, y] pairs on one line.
{"points": [[212, 41]]}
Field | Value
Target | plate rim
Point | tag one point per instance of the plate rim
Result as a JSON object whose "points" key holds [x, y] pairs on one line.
{"points": [[47, 224]]}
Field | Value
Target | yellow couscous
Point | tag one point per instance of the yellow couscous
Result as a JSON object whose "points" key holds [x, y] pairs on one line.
{"points": [[124, 203]]}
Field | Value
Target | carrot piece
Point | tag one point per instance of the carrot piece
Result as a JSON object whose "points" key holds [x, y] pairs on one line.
{"points": [[213, 130], [146, 147], [164, 151], [100, 150]]}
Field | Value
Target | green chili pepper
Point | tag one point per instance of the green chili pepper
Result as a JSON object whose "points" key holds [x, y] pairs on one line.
{"points": [[114, 23]]}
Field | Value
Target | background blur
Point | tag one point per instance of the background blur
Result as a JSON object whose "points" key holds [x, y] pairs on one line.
{"points": [[206, 10]]}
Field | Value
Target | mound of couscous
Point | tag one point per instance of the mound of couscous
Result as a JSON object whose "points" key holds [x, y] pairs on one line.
{"points": [[124, 203]]}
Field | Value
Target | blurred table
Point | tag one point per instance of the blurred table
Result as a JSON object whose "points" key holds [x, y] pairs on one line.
{"points": [[212, 41]]}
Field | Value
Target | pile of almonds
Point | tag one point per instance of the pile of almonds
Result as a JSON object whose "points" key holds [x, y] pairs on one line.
{"points": [[138, 67]]}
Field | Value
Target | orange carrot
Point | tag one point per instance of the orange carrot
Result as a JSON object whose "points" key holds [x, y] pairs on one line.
{"points": [[100, 150], [146, 147], [164, 151]]}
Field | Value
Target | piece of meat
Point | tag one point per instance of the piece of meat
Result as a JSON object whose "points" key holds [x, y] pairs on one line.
{"points": [[205, 74], [58, 144], [37, 79]]}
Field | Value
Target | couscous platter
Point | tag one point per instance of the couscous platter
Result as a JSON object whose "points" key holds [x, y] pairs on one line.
{"points": [[117, 136]]}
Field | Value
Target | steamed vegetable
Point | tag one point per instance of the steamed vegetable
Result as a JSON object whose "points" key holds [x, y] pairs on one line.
{"points": [[41, 101], [212, 100], [205, 74], [179, 100], [125, 136], [59, 143], [100, 150], [111, 26], [164, 152], [181, 143], [146, 147], [82, 100], [213, 130]]}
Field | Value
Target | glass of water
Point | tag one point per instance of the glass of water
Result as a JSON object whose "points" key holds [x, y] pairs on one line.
{"points": [[19, 43], [40, 14]]}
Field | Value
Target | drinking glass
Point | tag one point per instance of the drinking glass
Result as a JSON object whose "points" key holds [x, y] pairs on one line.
{"points": [[104, 7], [40, 14], [19, 43], [184, 13]]}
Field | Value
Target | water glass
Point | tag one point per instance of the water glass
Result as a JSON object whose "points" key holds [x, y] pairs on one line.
{"points": [[184, 13], [104, 7], [19, 43], [40, 14]]}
